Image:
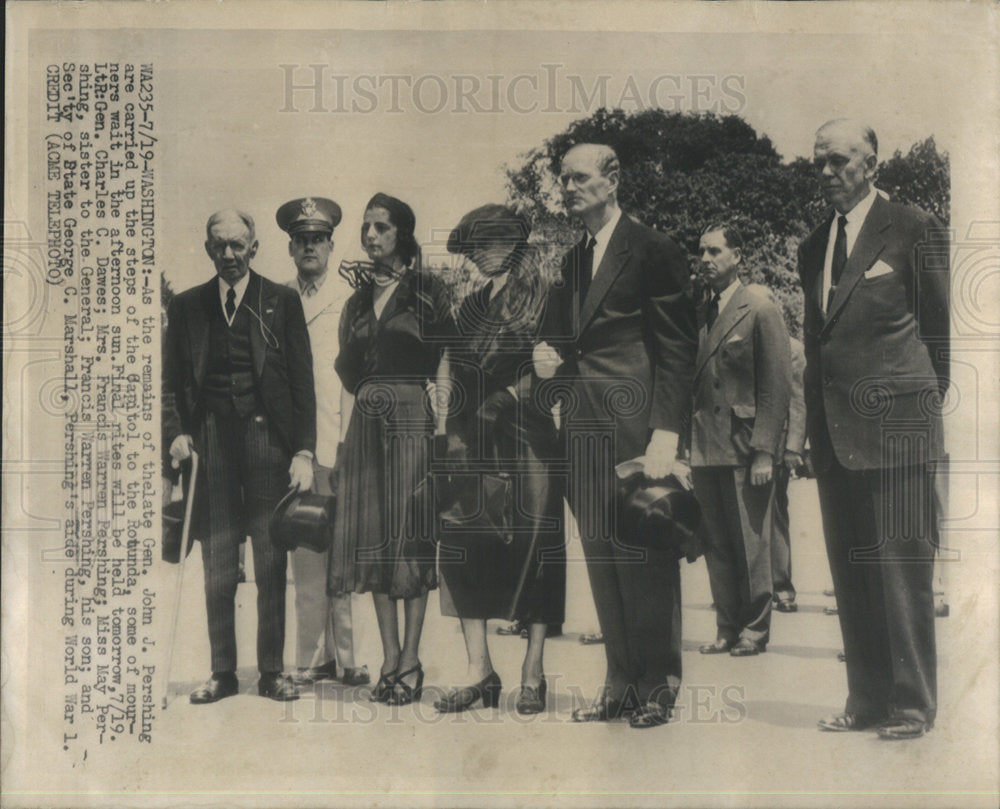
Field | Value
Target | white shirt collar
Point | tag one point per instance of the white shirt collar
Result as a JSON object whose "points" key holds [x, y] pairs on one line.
{"points": [[727, 294], [855, 219], [240, 287], [857, 214], [603, 236]]}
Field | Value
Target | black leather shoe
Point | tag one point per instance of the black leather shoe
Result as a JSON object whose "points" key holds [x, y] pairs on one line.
{"points": [[903, 728], [277, 687], [355, 676], [531, 700], [786, 605], [603, 710], [650, 715], [745, 648], [721, 646], [488, 690], [844, 722], [219, 686]]}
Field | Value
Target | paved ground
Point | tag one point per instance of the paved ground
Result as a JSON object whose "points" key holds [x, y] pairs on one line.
{"points": [[744, 734]]}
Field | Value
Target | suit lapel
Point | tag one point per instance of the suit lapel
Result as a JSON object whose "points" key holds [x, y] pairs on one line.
{"points": [[206, 305], [869, 244], [814, 257], [612, 263], [257, 294], [737, 308]]}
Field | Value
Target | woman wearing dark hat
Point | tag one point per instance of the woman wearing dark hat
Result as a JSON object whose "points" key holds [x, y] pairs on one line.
{"points": [[505, 559], [380, 543]]}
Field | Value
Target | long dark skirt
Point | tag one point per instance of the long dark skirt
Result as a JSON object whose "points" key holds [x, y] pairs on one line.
{"points": [[382, 535], [523, 578]]}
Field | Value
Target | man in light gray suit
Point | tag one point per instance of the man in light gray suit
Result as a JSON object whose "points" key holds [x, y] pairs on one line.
{"points": [[741, 393]]}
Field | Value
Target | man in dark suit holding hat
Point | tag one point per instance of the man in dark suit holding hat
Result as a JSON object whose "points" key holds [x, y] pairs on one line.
{"points": [[742, 383], [621, 323], [325, 634], [238, 369], [876, 333]]}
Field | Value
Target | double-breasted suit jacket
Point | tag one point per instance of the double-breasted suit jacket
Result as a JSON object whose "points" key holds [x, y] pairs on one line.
{"points": [[628, 348], [741, 391], [741, 382], [876, 362]]}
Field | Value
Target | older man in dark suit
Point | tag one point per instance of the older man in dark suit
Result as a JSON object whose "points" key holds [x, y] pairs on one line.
{"points": [[621, 322], [238, 368], [741, 390], [876, 325]]}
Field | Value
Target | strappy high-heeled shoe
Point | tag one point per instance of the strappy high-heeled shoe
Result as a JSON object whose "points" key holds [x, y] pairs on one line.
{"points": [[531, 700], [488, 690], [404, 694], [383, 688]]}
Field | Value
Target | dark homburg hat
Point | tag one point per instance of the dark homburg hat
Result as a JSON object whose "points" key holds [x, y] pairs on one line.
{"points": [[488, 225], [657, 513], [308, 214]]}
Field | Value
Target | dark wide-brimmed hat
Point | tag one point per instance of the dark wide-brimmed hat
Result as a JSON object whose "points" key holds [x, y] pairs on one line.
{"points": [[302, 519], [657, 513], [487, 226]]}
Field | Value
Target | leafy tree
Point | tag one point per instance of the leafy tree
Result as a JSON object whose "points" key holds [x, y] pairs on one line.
{"points": [[922, 177]]}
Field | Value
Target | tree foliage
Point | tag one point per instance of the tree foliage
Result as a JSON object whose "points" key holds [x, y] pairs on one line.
{"points": [[681, 171]]}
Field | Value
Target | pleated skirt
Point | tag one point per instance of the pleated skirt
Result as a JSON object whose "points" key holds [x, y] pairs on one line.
{"points": [[383, 529]]}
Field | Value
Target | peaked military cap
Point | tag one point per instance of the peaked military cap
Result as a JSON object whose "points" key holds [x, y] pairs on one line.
{"points": [[308, 214]]}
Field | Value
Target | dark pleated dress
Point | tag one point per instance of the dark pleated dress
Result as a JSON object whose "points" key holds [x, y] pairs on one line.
{"points": [[523, 578], [382, 533]]}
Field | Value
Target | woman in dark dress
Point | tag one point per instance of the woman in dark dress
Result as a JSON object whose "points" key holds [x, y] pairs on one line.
{"points": [[382, 542], [504, 442]]}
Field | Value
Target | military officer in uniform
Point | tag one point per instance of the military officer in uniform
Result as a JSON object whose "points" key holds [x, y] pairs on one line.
{"points": [[324, 638]]}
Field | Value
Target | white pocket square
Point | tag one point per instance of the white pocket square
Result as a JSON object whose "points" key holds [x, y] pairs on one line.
{"points": [[734, 339], [878, 268]]}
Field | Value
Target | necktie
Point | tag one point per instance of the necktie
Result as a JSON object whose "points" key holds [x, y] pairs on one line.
{"points": [[713, 312], [230, 304], [839, 257], [587, 268], [309, 291]]}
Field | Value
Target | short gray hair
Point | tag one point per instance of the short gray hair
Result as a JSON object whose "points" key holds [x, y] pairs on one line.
{"points": [[866, 132], [218, 216]]}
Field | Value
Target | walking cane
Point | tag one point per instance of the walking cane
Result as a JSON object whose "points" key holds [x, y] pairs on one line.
{"points": [[185, 533]]}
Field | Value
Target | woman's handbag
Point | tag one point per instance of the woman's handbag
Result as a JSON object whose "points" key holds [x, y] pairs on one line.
{"points": [[480, 503], [302, 519]]}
